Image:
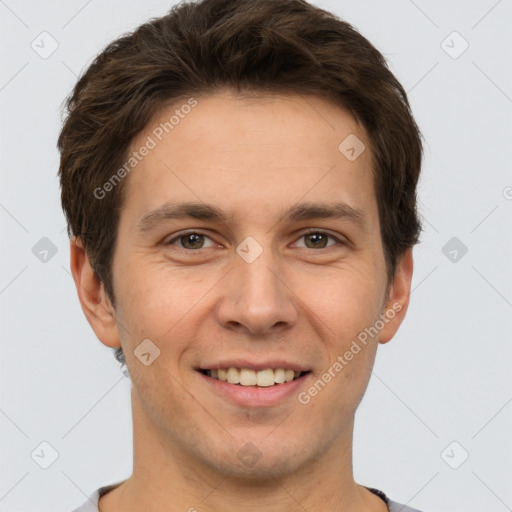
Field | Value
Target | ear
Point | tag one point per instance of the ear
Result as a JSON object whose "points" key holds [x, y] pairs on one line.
{"points": [[94, 301], [399, 291]]}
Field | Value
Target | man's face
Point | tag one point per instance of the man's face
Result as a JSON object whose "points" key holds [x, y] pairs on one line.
{"points": [[253, 290]]}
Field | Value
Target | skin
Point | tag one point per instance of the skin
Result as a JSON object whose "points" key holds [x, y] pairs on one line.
{"points": [[252, 158]]}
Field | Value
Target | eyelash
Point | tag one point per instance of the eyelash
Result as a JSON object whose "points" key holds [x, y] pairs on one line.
{"points": [[311, 231]]}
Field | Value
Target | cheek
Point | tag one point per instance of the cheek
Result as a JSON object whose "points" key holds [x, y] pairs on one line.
{"points": [[334, 396], [157, 300], [349, 308], [164, 400], [347, 303]]}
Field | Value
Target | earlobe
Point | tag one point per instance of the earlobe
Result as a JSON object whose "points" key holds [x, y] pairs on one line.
{"points": [[91, 293], [398, 297]]}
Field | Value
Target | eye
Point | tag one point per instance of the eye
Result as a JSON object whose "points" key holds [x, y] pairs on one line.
{"points": [[191, 241], [318, 240], [312, 240]]}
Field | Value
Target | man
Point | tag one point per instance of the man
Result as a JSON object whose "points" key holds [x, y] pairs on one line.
{"points": [[239, 179]]}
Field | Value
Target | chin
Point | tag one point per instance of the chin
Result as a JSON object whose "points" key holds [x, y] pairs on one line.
{"points": [[258, 463], [259, 473]]}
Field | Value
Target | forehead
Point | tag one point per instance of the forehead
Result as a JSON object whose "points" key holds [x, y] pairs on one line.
{"points": [[237, 151]]}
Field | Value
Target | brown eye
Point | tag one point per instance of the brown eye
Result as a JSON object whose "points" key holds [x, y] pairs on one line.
{"points": [[317, 240], [190, 241]]}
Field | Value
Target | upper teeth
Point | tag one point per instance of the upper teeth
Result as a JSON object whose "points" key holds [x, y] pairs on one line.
{"points": [[247, 377]]}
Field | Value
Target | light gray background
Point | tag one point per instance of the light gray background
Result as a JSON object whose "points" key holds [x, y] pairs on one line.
{"points": [[445, 377]]}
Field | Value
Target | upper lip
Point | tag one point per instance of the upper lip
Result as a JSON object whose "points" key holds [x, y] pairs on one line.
{"points": [[253, 365]]}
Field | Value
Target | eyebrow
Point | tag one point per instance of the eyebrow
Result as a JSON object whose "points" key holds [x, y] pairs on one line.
{"points": [[203, 211]]}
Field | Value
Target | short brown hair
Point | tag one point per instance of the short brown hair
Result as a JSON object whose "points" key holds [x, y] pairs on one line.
{"points": [[275, 46]]}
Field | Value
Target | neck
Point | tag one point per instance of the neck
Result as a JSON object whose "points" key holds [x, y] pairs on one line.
{"points": [[165, 475]]}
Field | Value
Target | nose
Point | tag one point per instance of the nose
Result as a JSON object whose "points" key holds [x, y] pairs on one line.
{"points": [[256, 298]]}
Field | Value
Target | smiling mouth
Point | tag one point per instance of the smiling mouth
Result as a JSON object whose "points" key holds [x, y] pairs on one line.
{"points": [[248, 377]]}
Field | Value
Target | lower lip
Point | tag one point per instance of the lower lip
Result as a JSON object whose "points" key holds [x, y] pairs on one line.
{"points": [[255, 396]]}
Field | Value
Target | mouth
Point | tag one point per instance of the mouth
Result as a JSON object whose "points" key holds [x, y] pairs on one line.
{"points": [[247, 377]]}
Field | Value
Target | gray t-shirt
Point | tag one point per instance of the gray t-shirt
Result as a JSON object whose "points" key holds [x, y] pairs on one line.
{"points": [[91, 505]]}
